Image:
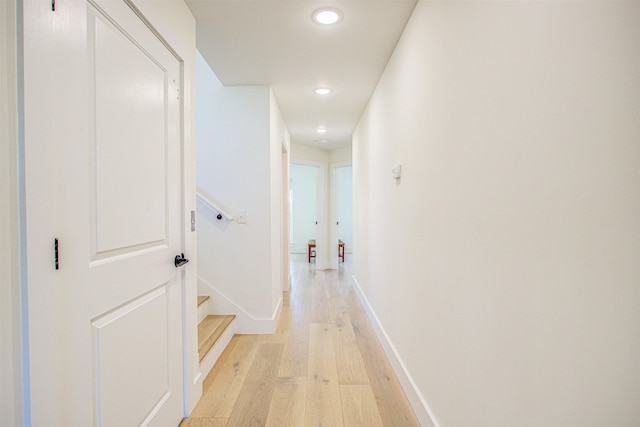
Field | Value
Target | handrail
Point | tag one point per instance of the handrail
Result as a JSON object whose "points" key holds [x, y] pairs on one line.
{"points": [[206, 201]]}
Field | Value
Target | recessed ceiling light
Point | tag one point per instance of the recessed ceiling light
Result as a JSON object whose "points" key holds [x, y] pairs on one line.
{"points": [[321, 130], [322, 91], [327, 16]]}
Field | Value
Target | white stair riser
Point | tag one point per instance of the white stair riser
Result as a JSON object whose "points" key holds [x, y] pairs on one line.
{"points": [[214, 353], [203, 310]]}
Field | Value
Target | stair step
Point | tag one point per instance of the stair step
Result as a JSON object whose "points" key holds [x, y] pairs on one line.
{"points": [[209, 330], [202, 299]]}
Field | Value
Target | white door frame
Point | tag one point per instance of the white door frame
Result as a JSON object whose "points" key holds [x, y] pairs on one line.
{"points": [[12, 265], [285, 219]]}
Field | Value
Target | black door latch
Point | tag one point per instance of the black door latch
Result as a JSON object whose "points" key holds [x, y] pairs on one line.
{"points": [[180, 260]]}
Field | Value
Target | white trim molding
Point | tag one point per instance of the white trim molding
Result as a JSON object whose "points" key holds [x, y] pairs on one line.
{"points": [[244, 322], [420, 406]]}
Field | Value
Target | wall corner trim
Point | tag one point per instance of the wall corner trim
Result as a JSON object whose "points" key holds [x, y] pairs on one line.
{"points": [[420, 406]]}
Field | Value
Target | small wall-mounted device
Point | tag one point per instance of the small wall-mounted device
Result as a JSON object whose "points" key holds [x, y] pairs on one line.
{"points": [[397, 171], [242, 216]]}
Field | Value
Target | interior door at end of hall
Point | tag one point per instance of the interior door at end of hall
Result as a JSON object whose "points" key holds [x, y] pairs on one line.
{"points": [[344, 202], [116, 311]]}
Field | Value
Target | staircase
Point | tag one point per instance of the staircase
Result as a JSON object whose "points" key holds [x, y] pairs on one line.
{"points": [[214, 334]]}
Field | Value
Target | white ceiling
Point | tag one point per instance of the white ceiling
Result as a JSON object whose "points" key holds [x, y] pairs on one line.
{"points": [[275, 42]]}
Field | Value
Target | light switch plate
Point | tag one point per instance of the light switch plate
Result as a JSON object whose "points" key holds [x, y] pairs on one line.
{"points": [[242, 216], [397, 171]]}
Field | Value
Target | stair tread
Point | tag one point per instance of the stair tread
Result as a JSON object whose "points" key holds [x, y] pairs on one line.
{"points": [[209, 330], [202, 299]]}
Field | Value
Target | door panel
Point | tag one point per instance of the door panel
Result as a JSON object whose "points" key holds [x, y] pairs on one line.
{"points": [[130, 139], [122, 354], [105, 329]]}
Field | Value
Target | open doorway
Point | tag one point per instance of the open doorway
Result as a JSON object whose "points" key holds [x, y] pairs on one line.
{"points": [[303, 187], [341, 230], [344, 197]]}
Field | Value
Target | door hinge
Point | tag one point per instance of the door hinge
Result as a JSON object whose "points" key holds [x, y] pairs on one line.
{"points": [[56, 261], [53, 5]]}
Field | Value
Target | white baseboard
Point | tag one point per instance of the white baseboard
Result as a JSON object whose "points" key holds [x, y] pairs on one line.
{"points": [[418, 403], [244, 322], [212, 356]]}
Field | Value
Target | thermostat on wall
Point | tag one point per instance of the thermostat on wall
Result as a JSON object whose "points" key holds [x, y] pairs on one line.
{"points": [[397, 171]]}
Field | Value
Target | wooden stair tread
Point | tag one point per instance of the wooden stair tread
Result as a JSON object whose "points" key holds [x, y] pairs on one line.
{"points": [[202, 299], [209, 330]]}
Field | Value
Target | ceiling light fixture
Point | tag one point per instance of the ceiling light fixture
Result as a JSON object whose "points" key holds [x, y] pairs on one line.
{"points": [[321, 130], [327, 16], [322, 91]]}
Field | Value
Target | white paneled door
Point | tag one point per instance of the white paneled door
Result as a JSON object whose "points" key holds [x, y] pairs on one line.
{"points": [[103, 176]]}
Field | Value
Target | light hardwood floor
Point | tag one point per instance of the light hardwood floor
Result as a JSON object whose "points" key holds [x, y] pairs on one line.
{"points": [[324, 366]]}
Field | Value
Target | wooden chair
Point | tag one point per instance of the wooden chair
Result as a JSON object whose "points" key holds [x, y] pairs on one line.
{"points": [[311, 249]]}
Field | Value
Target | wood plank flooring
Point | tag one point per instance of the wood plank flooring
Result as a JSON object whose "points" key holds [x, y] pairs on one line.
{"points": [[324, 366]]}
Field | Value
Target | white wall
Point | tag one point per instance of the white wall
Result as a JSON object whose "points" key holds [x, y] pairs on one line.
{"points": [[512, 291], [304, 187], [235, 163], [303, 153], [340, 154], [10, 354]]}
